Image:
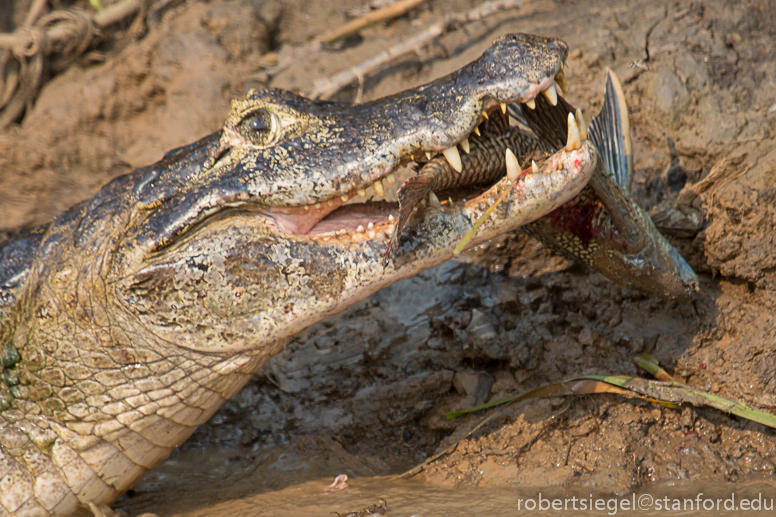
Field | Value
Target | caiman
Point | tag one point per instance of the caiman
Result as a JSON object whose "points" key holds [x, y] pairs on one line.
{"points": [[127, 321]]}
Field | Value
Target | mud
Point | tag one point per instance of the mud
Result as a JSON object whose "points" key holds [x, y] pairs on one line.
{"points": [[365, 391]]}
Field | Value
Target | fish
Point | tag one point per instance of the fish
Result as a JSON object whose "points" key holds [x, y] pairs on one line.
{"points": [[603, 227]]}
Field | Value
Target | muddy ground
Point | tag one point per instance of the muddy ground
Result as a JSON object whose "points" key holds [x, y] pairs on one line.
{"points": [[365, 391]]}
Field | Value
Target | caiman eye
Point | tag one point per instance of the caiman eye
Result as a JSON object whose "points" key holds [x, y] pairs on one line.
{"points": [[259, 127]]}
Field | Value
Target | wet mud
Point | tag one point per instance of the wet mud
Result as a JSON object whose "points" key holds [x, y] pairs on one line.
{"points": [[365, 392]]}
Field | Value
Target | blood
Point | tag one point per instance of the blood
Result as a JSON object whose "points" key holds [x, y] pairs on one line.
{"points": [[577, 218], [694, 432]]}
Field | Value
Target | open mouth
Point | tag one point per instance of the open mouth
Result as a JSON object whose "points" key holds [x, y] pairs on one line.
{"points": [[370, 211]]}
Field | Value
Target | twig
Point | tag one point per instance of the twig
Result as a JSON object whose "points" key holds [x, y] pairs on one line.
{"points": [[36, 9], [386, 13], [287, 55], [22, 52], [62, 32], [325, 88]]}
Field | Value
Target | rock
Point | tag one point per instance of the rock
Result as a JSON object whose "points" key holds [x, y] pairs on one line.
{"points": [[586, 336], [476, 386], [693, 74], [480, 328]]}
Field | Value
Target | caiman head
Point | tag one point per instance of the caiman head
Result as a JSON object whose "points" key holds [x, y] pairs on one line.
{"points": [[127, 322], [252, 235]]}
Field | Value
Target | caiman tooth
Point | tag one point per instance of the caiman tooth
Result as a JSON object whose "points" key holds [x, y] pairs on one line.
{"points": [[307, 207], [391, 218], [378, 188], [317, 205], [560, 79], [476, 131], [434, 200], [566, 64], [429, 155], [361, 192], [485, 114], [551, 94], [534, 167], [453, 158], [391, 178], [360, 229], [572, 141], [370, 226], [581, 124], [372, 234], [513, 168], [345, 198], [531, 104], [504, 108], [330, 202], [465, 145]]}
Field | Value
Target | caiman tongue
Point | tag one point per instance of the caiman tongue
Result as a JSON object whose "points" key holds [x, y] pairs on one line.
{"points": [[299, 221]]}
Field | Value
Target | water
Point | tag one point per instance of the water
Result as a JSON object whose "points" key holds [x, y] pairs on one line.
{"points": [[214, 482]]}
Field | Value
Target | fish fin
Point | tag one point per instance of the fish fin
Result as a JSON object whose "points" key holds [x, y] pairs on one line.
{"points": [[412, 192], [610, 132]]}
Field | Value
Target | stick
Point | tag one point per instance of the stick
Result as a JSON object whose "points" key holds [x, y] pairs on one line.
{"points": [[386, 13], [27, 45], [325, 88], [36, 9], [61, 31]]}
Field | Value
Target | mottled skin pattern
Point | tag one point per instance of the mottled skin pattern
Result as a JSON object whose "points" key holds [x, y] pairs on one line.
{"points": [[127, 321]]}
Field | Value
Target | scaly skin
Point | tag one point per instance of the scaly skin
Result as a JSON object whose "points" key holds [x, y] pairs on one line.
{"points": [[127, 322]]}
